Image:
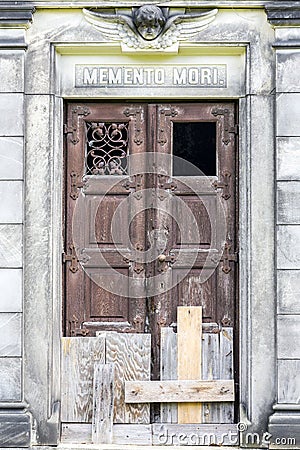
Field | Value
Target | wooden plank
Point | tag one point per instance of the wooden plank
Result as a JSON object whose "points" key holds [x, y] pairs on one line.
{"points": [[195, 434], [184, 391], [168, 370], [78, 357], [189, 320], [226, 371], [131, 355], [103, 399], [81, 433], [76, 433], [132, 434], [211, 371]]}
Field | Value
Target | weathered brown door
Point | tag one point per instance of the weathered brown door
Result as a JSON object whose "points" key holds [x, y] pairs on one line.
{"points": [[145, 230]]}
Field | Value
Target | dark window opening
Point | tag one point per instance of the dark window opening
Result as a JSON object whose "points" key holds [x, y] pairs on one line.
{"points": [[195, 142]]}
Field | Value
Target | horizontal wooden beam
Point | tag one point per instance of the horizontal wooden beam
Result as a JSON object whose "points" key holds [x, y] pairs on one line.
{"points": [[179, 391]]}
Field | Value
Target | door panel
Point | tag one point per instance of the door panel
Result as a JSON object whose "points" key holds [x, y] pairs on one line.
{"points": [[107, 135], [214, 216], [185, 268]]}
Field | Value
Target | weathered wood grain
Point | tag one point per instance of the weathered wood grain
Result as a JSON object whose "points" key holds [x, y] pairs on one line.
{"points": [[211, 371], [168, 370], [103, 399], [217, 363], [132, 434], [131, 355], [78, 357], [195, 434], [183, 391], [76, 433], [189, 322], [81, 433], [226, 371]]}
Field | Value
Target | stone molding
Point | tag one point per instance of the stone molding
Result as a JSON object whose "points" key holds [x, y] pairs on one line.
{"points": [[15, 428], [16, 14], [283, 13], [284, 426]]}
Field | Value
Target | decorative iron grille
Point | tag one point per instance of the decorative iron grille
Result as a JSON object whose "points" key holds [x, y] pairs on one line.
{"points": [[107, 148]]}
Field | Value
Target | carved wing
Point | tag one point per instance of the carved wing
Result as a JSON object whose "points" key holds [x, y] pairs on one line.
{"points": [[115, 27], [182, 27]]}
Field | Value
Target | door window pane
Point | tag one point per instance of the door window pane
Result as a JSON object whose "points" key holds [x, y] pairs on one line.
{"points": [[107, 148], [195, 142]]}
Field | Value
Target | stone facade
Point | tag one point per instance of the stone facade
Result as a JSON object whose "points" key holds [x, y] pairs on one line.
{"points": [[35, 72]]}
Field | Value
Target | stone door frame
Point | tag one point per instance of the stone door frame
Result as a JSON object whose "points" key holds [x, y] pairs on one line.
{"points": [[43, 244]]}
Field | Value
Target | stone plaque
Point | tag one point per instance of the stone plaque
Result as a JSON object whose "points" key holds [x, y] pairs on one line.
{"points": [[202, 76]]}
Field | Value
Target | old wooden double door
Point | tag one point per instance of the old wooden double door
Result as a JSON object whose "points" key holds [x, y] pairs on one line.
{"points": [[150, 203]]}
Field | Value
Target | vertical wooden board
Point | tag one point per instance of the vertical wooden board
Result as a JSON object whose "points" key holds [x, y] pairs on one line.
{"points": [[78, 357], [211, 371], [103, 398], [226, 371], [131, 355], [168, 370], [189, 325]]}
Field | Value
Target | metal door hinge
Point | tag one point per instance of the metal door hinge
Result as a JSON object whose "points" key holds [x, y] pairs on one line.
{"points": [[223, 184], [234, 129], [134, 183], [75, 185], [72, 126], [228, 257], [75, 330], [137, 114], [73, 258], [227, 129], [164, 184], [164, 113]]}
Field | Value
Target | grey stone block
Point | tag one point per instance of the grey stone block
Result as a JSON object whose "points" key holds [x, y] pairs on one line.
{"points": [[10, 334], [288, 114], [288, 291], [288, 247], [11, 113], [287, 70], [15, 430], [288, 158], [11, 379], [11, 158], [284, 426], [11, 71], [289, 381], [11, 246], [11, 290], [288, 204], [288, 329], [11, 205]]}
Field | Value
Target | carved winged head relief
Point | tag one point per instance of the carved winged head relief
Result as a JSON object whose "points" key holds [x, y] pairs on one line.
{"points": [[149, 21], [149, 26]]}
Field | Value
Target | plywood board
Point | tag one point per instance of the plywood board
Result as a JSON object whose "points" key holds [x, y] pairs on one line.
{"points": [[189, 325], [78, 357], [131, 355]]}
